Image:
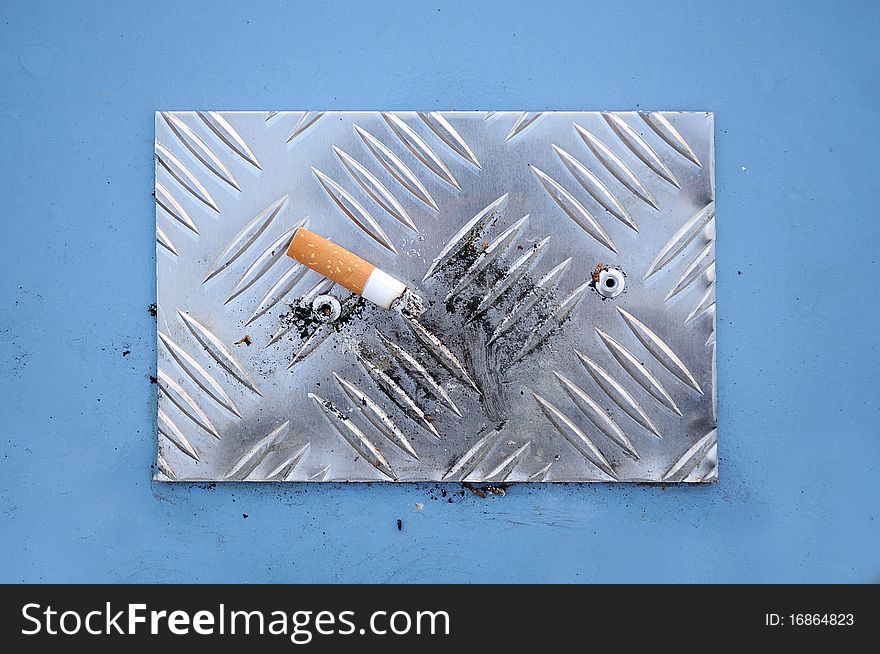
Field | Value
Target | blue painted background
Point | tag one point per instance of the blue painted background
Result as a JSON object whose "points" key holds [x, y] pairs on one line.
{"points": [[795, 91]]}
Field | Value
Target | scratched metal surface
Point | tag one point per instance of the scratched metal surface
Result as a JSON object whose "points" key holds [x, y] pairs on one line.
{"points": [[518, 371]]}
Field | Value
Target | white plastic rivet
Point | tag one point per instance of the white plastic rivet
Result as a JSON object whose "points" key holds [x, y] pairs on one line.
{"points": [[611, 282]]}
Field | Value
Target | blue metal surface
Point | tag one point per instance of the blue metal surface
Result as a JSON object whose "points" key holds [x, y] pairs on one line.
{"points": [[795, 92]]}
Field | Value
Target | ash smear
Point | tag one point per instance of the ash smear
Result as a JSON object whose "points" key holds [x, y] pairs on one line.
{"points": [[482, 363], [469, 250], [469, 299], [152, 309], [510, 342], [457, 266], [462, 262], [488, 364]]}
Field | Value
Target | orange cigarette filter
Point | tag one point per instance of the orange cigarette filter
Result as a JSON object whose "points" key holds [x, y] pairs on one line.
{"points": [[333, 261], [345, 268]]}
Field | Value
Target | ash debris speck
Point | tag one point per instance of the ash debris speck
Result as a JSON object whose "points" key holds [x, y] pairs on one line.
{"points": [[485, 491], [449, 495]]}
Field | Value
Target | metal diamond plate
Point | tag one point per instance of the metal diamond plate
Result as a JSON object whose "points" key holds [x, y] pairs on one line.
{"points": [[520, 370]]}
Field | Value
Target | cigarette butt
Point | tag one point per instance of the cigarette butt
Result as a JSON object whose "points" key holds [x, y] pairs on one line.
{"points": [[345, 268]]}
